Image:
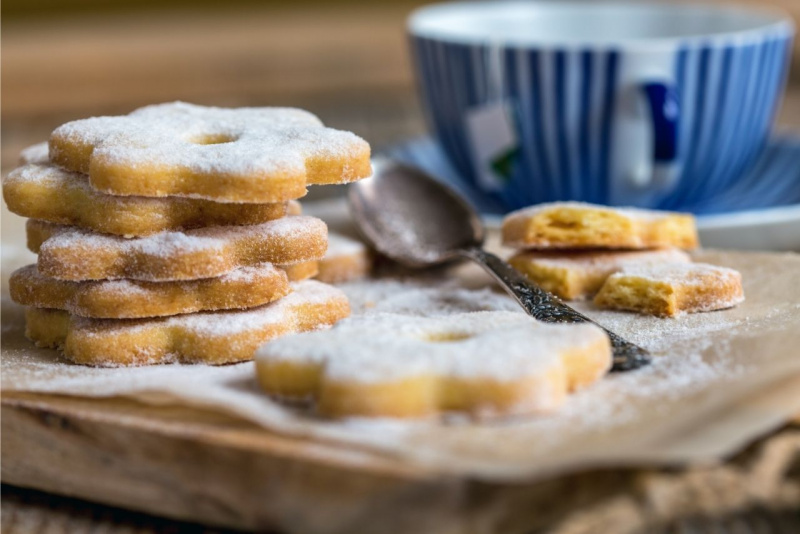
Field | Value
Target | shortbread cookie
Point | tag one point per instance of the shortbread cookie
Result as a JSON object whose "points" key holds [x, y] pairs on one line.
{"points": [[483, 363], [228, 155], [69, 253], [245, 287], [669, 289], [578, 275], [208, 337], [577, 225], [346, 259], [43, 191]]}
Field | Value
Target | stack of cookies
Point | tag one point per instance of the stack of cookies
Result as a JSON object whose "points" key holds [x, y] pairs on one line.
{"points": [[626, 258], [173, 233]]}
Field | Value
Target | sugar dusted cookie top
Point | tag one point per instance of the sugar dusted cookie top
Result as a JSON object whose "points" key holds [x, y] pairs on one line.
{"points": [[578, 225], [232, 155], [524, 365], [212, 337], [245, 287], [679, 273], [670, 289], [69, 253], [497, 345], [580, 274], [47, 192], [603, 260]]}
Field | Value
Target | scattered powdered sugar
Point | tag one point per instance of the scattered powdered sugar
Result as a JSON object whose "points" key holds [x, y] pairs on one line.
{"points": [[668, 379], [262, 142], [422, 297]]}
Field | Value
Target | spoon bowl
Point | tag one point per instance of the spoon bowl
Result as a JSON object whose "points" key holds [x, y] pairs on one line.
{"points": [[411, 218]]}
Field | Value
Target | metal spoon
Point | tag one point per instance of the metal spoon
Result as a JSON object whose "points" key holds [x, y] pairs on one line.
{"points": [[415, 220]]}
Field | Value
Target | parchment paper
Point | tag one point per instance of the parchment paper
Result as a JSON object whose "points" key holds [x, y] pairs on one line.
{"points": [[719, 380]]}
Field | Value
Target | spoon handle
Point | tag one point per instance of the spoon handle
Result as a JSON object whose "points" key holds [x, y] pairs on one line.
{"points": [[548, 308]]}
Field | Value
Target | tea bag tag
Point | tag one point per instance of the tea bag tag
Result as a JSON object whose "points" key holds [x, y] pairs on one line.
{"points": [[494, 144]]}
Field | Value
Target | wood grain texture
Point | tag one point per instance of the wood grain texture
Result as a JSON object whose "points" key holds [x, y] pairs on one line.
{"points": [[206, 468]]}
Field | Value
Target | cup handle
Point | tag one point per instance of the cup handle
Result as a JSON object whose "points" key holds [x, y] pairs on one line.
{"points": [[661, 114]]}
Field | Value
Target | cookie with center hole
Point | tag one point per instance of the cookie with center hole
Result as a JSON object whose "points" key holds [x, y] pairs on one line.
{"points": [[484, 364], [245, 287], [70, 253], [252, 154], [217, 337], [44, 191]]}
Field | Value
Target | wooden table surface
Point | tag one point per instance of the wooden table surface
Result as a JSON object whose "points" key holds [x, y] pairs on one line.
{"points": [[348, 63]]}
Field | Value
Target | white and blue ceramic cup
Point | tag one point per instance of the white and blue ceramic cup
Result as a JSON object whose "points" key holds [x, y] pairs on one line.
{"points": [[654, 105]]}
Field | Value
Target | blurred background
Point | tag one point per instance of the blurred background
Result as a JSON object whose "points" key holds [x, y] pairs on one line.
{"points": [[345, 60]]}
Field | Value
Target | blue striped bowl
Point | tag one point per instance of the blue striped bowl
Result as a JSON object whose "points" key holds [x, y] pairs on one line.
{"points": [[654, 105]]}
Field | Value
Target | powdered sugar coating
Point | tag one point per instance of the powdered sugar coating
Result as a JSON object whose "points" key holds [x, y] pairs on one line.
{"points": [[37, 153], [629, 212], [209, 337], [46, 173], [162, 245], [671, 289], [221, 324], [263, 145], [606, 262], [575, 275], [245, 287], [45, 191], [504, 346], [578, 225], [74, 254], [679, 273]]}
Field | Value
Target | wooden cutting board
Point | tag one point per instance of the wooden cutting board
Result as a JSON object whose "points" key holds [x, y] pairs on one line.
{"points": [[204, 467]]}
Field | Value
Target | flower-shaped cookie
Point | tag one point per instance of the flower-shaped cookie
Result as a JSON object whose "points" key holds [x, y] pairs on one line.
{"points": [[212, 337], [483, 363], [70, 253], [245, 287], [253, 155]]}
